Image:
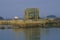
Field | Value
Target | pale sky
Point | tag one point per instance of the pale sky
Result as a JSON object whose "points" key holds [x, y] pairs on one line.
{"points": [[11, 8]]}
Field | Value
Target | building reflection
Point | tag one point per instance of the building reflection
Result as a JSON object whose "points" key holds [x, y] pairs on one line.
{"points": [[33, 34], [30, 33]]}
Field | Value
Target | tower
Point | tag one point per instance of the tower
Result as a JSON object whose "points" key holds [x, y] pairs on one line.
{"points": [[31, 14]]}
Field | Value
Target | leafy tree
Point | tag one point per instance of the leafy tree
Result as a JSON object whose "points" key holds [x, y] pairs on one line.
{"points": [[1, 18]]}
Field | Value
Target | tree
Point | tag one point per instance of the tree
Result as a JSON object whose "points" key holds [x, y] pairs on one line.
{"points": [[1, 18], [51, 16]]}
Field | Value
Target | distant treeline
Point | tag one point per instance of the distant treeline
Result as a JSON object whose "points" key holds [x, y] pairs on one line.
{"points": [[49, 16]]}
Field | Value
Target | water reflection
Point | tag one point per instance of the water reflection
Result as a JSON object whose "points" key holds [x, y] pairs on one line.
{"points": [[52, 34], [19, 34], [30, 33]]}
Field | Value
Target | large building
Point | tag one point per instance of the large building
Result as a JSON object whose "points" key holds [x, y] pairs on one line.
{"points": [[31, 13]]}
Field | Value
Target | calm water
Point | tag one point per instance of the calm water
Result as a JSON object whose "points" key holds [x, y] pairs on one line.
{"points": [[30, 34]]}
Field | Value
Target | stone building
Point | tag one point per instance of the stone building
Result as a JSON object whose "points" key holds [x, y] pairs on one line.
{"points": [[31, 14]]}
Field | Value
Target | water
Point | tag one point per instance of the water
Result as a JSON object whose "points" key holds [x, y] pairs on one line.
{"points": [[30, 34]]}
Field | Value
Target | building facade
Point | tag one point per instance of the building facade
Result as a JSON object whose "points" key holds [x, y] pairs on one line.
{"points": [[31, 14]]}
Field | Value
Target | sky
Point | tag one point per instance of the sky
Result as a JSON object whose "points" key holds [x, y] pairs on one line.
{"points": [[11, 8]]}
